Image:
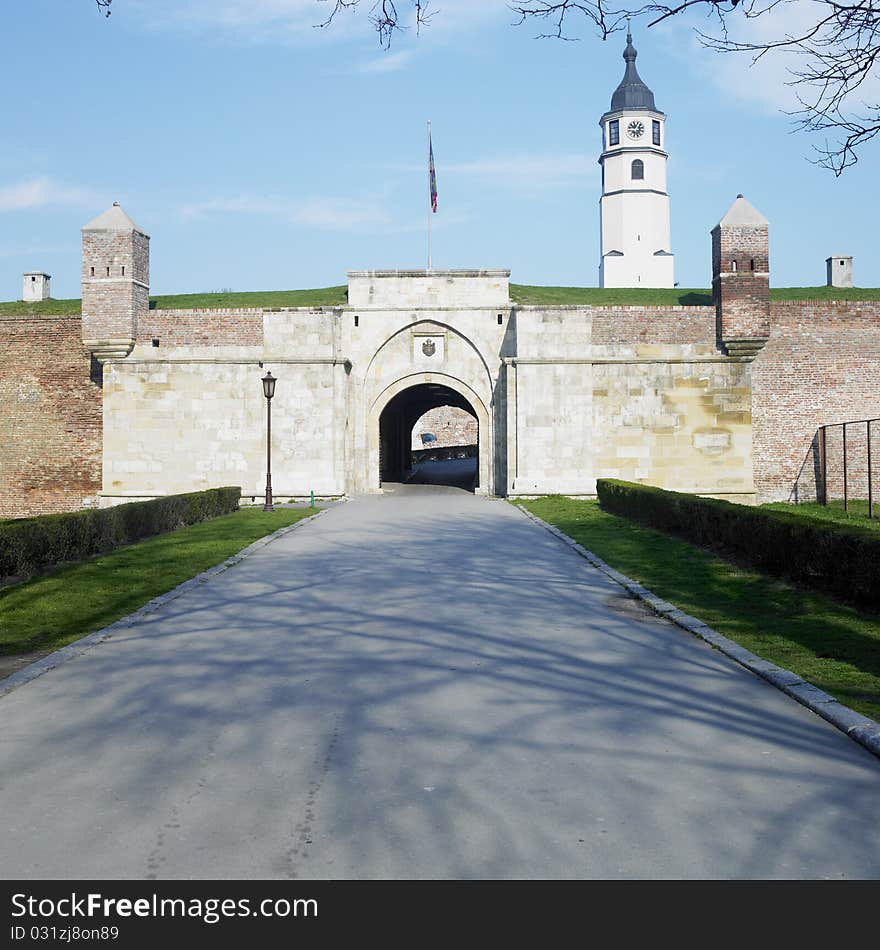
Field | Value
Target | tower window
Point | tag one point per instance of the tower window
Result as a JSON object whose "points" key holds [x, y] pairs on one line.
{"points": [[92, 271], [356, 320], [638, 170], [655, 131], [614, 132], [752, 264], [123, 270], [108, 271], [733, 266]]}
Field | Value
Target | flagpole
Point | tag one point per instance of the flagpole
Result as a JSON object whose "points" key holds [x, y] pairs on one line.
{"points": [[430, 209]]}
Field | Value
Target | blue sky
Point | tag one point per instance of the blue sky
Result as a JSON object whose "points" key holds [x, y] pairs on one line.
{"points": [[261, 153]]}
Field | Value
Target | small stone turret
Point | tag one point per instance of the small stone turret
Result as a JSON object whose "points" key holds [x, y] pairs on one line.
{"points": [[115, 283], [839, 271], [741, 279], [36, 286]]}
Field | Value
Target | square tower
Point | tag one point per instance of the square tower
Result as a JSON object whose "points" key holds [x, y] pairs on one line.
{"points": [[741, 279], [35, 287], [115, 283]]}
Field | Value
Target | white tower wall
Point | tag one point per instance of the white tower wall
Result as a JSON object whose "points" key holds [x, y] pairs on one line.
{"points": [[636, 245]]}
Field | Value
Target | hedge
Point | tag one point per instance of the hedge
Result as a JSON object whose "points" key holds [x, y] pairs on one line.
{"points": [[841, 559], [28, 545]]}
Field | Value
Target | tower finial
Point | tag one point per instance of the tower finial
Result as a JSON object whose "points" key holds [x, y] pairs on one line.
{"points": [[629, 54]]}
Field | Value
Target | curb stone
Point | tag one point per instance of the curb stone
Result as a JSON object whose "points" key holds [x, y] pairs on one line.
{"points": [[91, 640], [863, 730]]}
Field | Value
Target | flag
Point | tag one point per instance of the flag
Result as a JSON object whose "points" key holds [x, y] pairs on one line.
{"points": [[432, 175]]}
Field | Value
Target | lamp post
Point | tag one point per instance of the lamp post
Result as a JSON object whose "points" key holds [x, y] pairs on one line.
{"points": [[269, 391]]}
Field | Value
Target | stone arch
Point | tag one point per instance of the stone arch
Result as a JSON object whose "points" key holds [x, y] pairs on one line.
{"points": [[413, 381], [418, 326]]}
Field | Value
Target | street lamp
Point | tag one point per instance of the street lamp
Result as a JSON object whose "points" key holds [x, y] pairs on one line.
{"points": [[269, 391]]}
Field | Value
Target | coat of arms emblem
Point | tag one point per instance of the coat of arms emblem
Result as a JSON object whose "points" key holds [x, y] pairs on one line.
{"points": [[429, 347]]}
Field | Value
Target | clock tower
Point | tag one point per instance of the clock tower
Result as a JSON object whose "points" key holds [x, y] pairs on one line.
{"points": [[634, 207]]}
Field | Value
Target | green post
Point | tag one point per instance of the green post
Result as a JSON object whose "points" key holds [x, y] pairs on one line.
{"points": [[312, 502]]}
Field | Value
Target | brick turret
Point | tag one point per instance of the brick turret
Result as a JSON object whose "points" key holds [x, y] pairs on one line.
{"points": [[115, 283], [741, 279]]}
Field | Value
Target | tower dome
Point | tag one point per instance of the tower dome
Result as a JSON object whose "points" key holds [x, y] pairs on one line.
{"points": [[632, 93]]}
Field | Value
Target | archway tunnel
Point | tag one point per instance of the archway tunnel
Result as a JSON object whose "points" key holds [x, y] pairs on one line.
{"points": [[396, 436]]}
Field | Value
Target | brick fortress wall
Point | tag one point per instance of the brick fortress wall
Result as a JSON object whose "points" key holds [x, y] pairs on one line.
{"points": [[451, 425], [50, 417], [201, 327], [673, 325], [820, 366]]}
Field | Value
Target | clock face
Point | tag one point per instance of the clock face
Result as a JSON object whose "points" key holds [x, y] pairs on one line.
{"points": [[636, 129]]}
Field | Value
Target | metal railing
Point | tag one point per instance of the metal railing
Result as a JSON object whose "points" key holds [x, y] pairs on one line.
{"points": [[842, 464]]}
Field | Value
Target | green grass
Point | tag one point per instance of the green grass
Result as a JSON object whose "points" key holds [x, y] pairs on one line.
{"points": [[321, 297], [857, 513], [519, 293], [835, 647], [603, 297], [54, 308], [825, 293], [665, 297], [53, 610]]}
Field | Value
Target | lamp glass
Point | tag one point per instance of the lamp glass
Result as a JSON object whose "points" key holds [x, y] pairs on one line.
{"points": [[269, 385]]}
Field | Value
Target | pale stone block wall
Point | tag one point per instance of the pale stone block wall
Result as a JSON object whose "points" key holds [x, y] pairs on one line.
{"points": [[553, 332], [551, 429], [441, 288], [678, 419], [302, 333], [677, 415], [196, 418]]}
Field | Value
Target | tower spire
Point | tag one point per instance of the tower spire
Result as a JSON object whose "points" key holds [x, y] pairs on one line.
{"points": [[632, 93]]}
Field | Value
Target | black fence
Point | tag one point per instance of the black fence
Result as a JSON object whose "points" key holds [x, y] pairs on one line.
{"points": [[842, 464]]}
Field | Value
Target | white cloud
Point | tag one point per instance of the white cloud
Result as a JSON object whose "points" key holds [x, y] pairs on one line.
{"points": [[246, 21], [766, 82], [35, 249], [297, 21], [243, 204], [43, 192], [525, 168], [388, 62], [318, 212], [455, 16], [342, 214]]}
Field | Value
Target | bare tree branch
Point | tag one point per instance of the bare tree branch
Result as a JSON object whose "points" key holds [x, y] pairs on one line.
{"points": [[104, 5], [383, 16]]}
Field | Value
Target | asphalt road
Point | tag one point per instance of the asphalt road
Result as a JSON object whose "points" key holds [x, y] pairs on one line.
{"points": [[456, 473], [422, 685]]}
